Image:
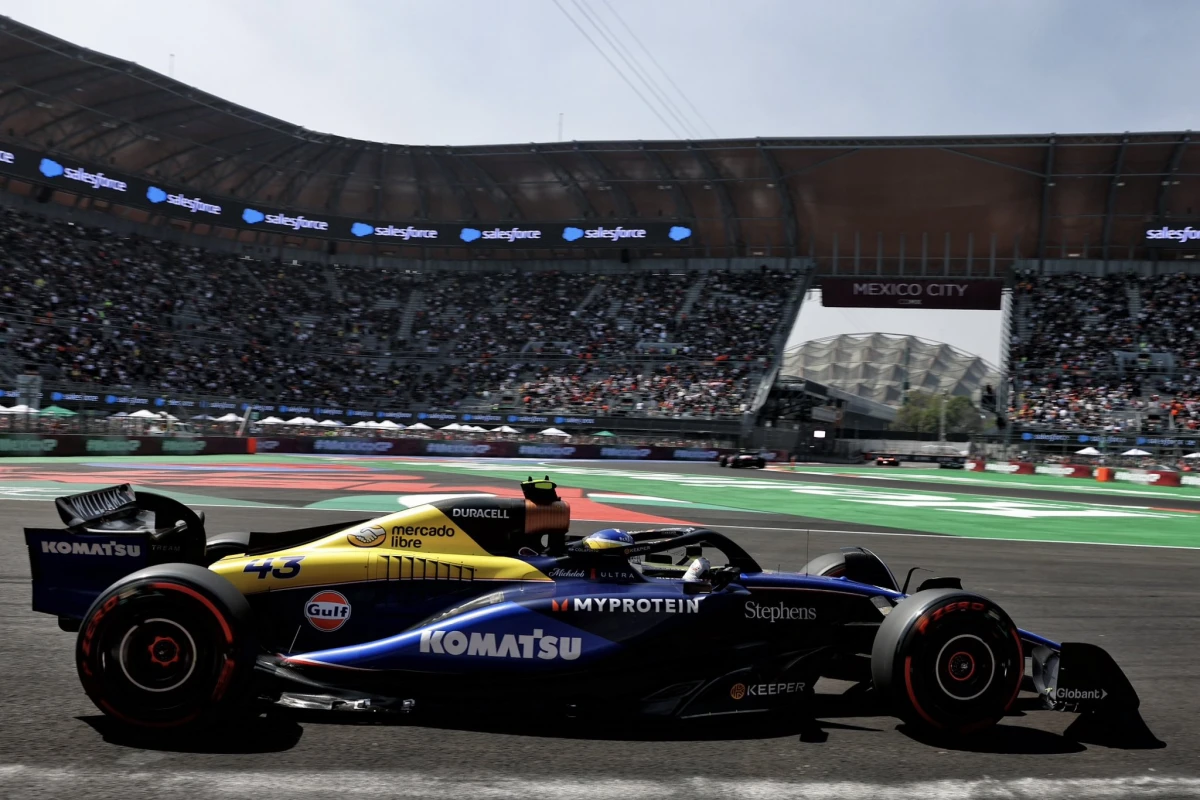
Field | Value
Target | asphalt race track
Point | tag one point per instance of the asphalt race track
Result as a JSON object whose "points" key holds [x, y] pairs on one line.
{"points": [[1142, 604]]}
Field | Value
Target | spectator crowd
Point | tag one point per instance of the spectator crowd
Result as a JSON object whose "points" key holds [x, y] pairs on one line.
{"points": [[1111, 352], [87, 307]]}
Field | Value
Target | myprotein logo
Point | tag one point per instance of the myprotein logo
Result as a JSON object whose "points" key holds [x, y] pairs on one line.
{"points": [[110, 548], [361, 229], [695, 455], [779, 612], [508, 645], [611, 234], [545, 450], [97, 180], [28, 445], [451, 449], [192, 204], [499, 234], [112, 445], [643, 605], [1187, 234], [252, 216], [185, 446], [624, 452], [334, 446]]}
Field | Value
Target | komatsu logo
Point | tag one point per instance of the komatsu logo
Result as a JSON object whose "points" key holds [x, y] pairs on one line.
{"points": [[110, 548], [487, 513], [508, 645], [642, 605]]}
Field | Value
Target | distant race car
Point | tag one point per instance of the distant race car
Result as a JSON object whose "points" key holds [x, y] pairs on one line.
{"points": [[471, 604], [887, 461], [744, 460]]}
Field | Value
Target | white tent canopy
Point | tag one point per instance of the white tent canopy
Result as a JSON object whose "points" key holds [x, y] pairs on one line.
{"points": [[144, 413], [388, 424], [504, 429], [554, 432], [453, 426], [330, 423], [270, 421], [19, 409], [1087, 451], [230, 417], [1135, 452], [301, 421], [1192, 455], [420, 426], [361, 424]]}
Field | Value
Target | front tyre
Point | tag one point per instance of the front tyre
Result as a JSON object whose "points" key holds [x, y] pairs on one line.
{"points": [[168, 646], [948, 661]]}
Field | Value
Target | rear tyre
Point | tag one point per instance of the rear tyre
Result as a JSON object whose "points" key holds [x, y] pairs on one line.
{"points": [[948, 661], [169, 646]]}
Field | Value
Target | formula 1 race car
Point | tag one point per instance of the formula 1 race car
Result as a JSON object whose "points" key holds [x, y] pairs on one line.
{"points": [[744, 460], [887, 461], [471, 603]]}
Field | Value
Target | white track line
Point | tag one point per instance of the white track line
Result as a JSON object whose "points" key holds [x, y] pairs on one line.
{"points": [[23, 781]]}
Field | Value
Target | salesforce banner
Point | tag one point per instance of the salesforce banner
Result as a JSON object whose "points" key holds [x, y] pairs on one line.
{"points": [[1174, 234], [165, 198]]}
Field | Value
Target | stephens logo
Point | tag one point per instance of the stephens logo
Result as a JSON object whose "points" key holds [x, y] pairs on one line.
{"points": [[779, 613], [97, 180], [361, 229], [327, 611], [252, 216], [109, 548], [372, 536], [535, 645]]}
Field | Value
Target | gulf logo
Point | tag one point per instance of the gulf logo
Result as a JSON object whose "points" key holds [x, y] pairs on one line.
{"points": [[327, 611]]}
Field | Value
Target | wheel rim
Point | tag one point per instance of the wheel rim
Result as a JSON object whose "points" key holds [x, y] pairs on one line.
{"points": [[965, 667], [157, 655]]}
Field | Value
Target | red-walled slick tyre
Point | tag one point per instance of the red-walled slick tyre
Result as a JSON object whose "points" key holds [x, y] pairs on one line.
{"points": [[168, 646], [948, 661]]}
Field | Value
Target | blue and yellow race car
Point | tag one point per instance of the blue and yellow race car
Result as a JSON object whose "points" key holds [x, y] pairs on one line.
{"points": [[470, 603]]}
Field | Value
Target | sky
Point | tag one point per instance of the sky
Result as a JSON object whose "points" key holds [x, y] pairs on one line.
{"points": [[500, 71]]}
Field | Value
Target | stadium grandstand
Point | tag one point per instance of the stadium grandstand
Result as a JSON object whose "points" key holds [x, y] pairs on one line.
{"points": [[162, 247]]}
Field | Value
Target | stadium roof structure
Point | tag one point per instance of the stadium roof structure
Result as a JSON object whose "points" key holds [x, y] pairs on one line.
{"points": [[875, 366], [953, 205]]}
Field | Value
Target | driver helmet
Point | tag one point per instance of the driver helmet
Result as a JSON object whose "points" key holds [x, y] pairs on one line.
{"points": [[607, 539]]}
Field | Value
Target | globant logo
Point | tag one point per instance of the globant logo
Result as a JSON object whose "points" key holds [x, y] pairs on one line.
{"points": [[612, 234], [252, 216], [363, 229], [97, 180], [506, 235], [193, 204], [678, 233], [1174, 234]]}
